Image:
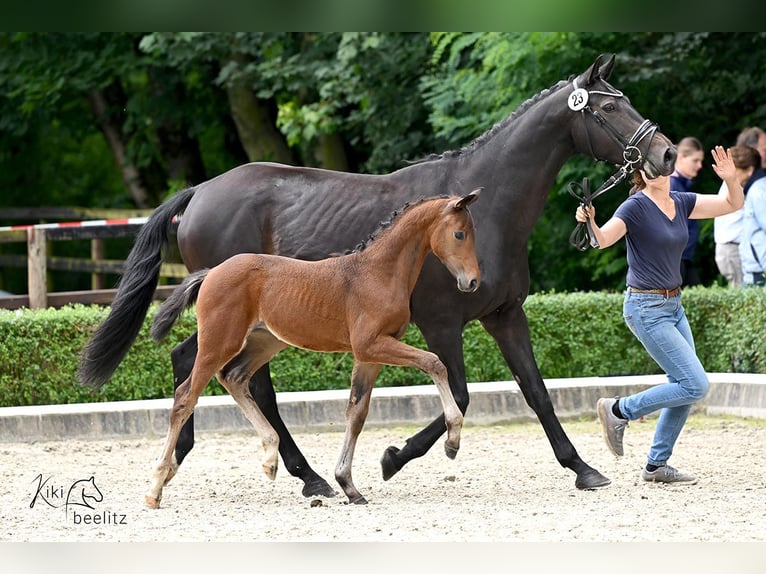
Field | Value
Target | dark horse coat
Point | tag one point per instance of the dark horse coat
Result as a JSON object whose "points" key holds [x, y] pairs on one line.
{"points": [[310, 213]]}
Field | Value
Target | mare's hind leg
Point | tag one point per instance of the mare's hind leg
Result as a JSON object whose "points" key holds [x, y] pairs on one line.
{"points": [[362, 381]]}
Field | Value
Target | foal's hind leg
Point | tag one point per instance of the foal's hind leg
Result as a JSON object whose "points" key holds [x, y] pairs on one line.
{"points": [[182, 358], [362, 381], [294, 461], [269, 438], [260, 347], [183, 404]]}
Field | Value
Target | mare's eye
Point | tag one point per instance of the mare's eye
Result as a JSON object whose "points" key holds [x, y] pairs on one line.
{"points": [[459, 235], [609, 107]]}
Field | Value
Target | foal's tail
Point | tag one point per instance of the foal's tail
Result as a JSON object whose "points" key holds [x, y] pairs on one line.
{"points": [[182, 297], [113, 338]]}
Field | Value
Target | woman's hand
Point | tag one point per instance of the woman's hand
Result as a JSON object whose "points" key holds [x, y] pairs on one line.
{"points": [[724, 164], [730, 198], [584, 213]]}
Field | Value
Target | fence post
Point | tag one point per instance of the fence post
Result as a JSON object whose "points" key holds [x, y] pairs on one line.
{"points": [[37, 276], [97, 254]]}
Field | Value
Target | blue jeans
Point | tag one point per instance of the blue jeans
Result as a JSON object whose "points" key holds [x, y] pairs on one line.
{"points": [[660, 324]]}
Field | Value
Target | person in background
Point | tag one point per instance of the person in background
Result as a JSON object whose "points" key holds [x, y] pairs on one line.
{"points": [[727, 229], [688, 165], [752, 247], [653, 221]]}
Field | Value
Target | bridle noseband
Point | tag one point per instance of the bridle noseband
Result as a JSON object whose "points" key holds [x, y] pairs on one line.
{"points": [[631, 155]]}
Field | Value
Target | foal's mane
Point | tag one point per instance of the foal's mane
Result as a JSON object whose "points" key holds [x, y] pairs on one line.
{"points": [[491, 132], [386, 223]]}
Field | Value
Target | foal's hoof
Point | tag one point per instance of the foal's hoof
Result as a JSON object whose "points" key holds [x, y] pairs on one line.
{"points": [[590, 479], [450, 451], [151, 501], [358, 500], [172, 471], [270, 470], [389, 463]]}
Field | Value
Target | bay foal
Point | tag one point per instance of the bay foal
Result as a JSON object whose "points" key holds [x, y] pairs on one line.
{"points": [[252, 306]]}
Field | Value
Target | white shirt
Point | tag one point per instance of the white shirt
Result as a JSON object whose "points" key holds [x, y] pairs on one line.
{"points": [[728, 228]]}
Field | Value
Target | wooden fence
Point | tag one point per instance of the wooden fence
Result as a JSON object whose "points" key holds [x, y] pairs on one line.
{"points": [[113, 224]]}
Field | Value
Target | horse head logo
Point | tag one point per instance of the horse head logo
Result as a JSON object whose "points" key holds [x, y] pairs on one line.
{"points": [[83, 493]]}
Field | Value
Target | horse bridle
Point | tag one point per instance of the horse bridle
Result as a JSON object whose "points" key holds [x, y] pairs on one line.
{"points": [[631, 155]]}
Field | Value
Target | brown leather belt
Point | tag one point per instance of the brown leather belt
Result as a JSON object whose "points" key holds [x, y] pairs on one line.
{"points": [[667, 292]]}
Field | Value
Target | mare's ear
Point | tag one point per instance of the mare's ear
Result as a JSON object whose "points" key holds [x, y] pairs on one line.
{"points": [[606, 69], [464, 202], [591, 74]]}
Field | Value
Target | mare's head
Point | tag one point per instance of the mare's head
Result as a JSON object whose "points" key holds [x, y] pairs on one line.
{"points": [[453, 241], [610, 128]]}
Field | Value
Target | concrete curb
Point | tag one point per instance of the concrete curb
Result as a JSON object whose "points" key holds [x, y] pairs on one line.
{"points": [[737, 394]]}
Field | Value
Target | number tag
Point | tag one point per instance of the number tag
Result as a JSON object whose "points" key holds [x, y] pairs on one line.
{"points": [[578, 99]]}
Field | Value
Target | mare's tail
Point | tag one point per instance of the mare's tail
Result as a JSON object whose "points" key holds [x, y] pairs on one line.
{"points": [[182, 297], [113, 338]]}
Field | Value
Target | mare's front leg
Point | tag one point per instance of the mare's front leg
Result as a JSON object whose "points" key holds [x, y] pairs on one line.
{"points": [[447, 343], [510, 330], [262, 390], [362, 380]]}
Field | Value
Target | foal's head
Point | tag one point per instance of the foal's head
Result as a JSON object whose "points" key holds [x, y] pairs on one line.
{"points": [[452, 241]]}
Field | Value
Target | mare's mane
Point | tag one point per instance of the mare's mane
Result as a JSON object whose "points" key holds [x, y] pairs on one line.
{"points": [[490, 133]]}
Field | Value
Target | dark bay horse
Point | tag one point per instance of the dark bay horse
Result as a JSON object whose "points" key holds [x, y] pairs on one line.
{"points": [[252, 306], [309, 213]]}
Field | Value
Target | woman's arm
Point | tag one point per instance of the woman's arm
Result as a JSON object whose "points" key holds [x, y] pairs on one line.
{"points": [[607, 235], [730, 198]]}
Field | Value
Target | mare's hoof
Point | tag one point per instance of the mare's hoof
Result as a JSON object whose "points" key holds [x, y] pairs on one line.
{"points": [[151, 501], [389, 464], [318, 487], [450, 451], [590, 479], [359, 500]]}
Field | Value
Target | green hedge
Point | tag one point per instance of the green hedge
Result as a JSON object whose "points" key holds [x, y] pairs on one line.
{"points": [[573, 334]]}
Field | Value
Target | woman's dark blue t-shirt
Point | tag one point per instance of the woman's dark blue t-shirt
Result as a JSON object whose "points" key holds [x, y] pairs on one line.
{"points": [[655, 243]]}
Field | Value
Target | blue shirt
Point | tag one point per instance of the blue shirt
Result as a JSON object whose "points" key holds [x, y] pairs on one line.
{"points": [[655, 243]]}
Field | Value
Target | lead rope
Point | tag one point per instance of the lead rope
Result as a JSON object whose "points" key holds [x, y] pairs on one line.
{"points": [[583, 235]]}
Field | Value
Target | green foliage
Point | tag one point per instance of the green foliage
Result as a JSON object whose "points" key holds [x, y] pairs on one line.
{"points": [[573, 335], [384, 98]]}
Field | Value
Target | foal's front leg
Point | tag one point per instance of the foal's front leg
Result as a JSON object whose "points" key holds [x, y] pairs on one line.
{"points": [[362, 381], [391, 351]]}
